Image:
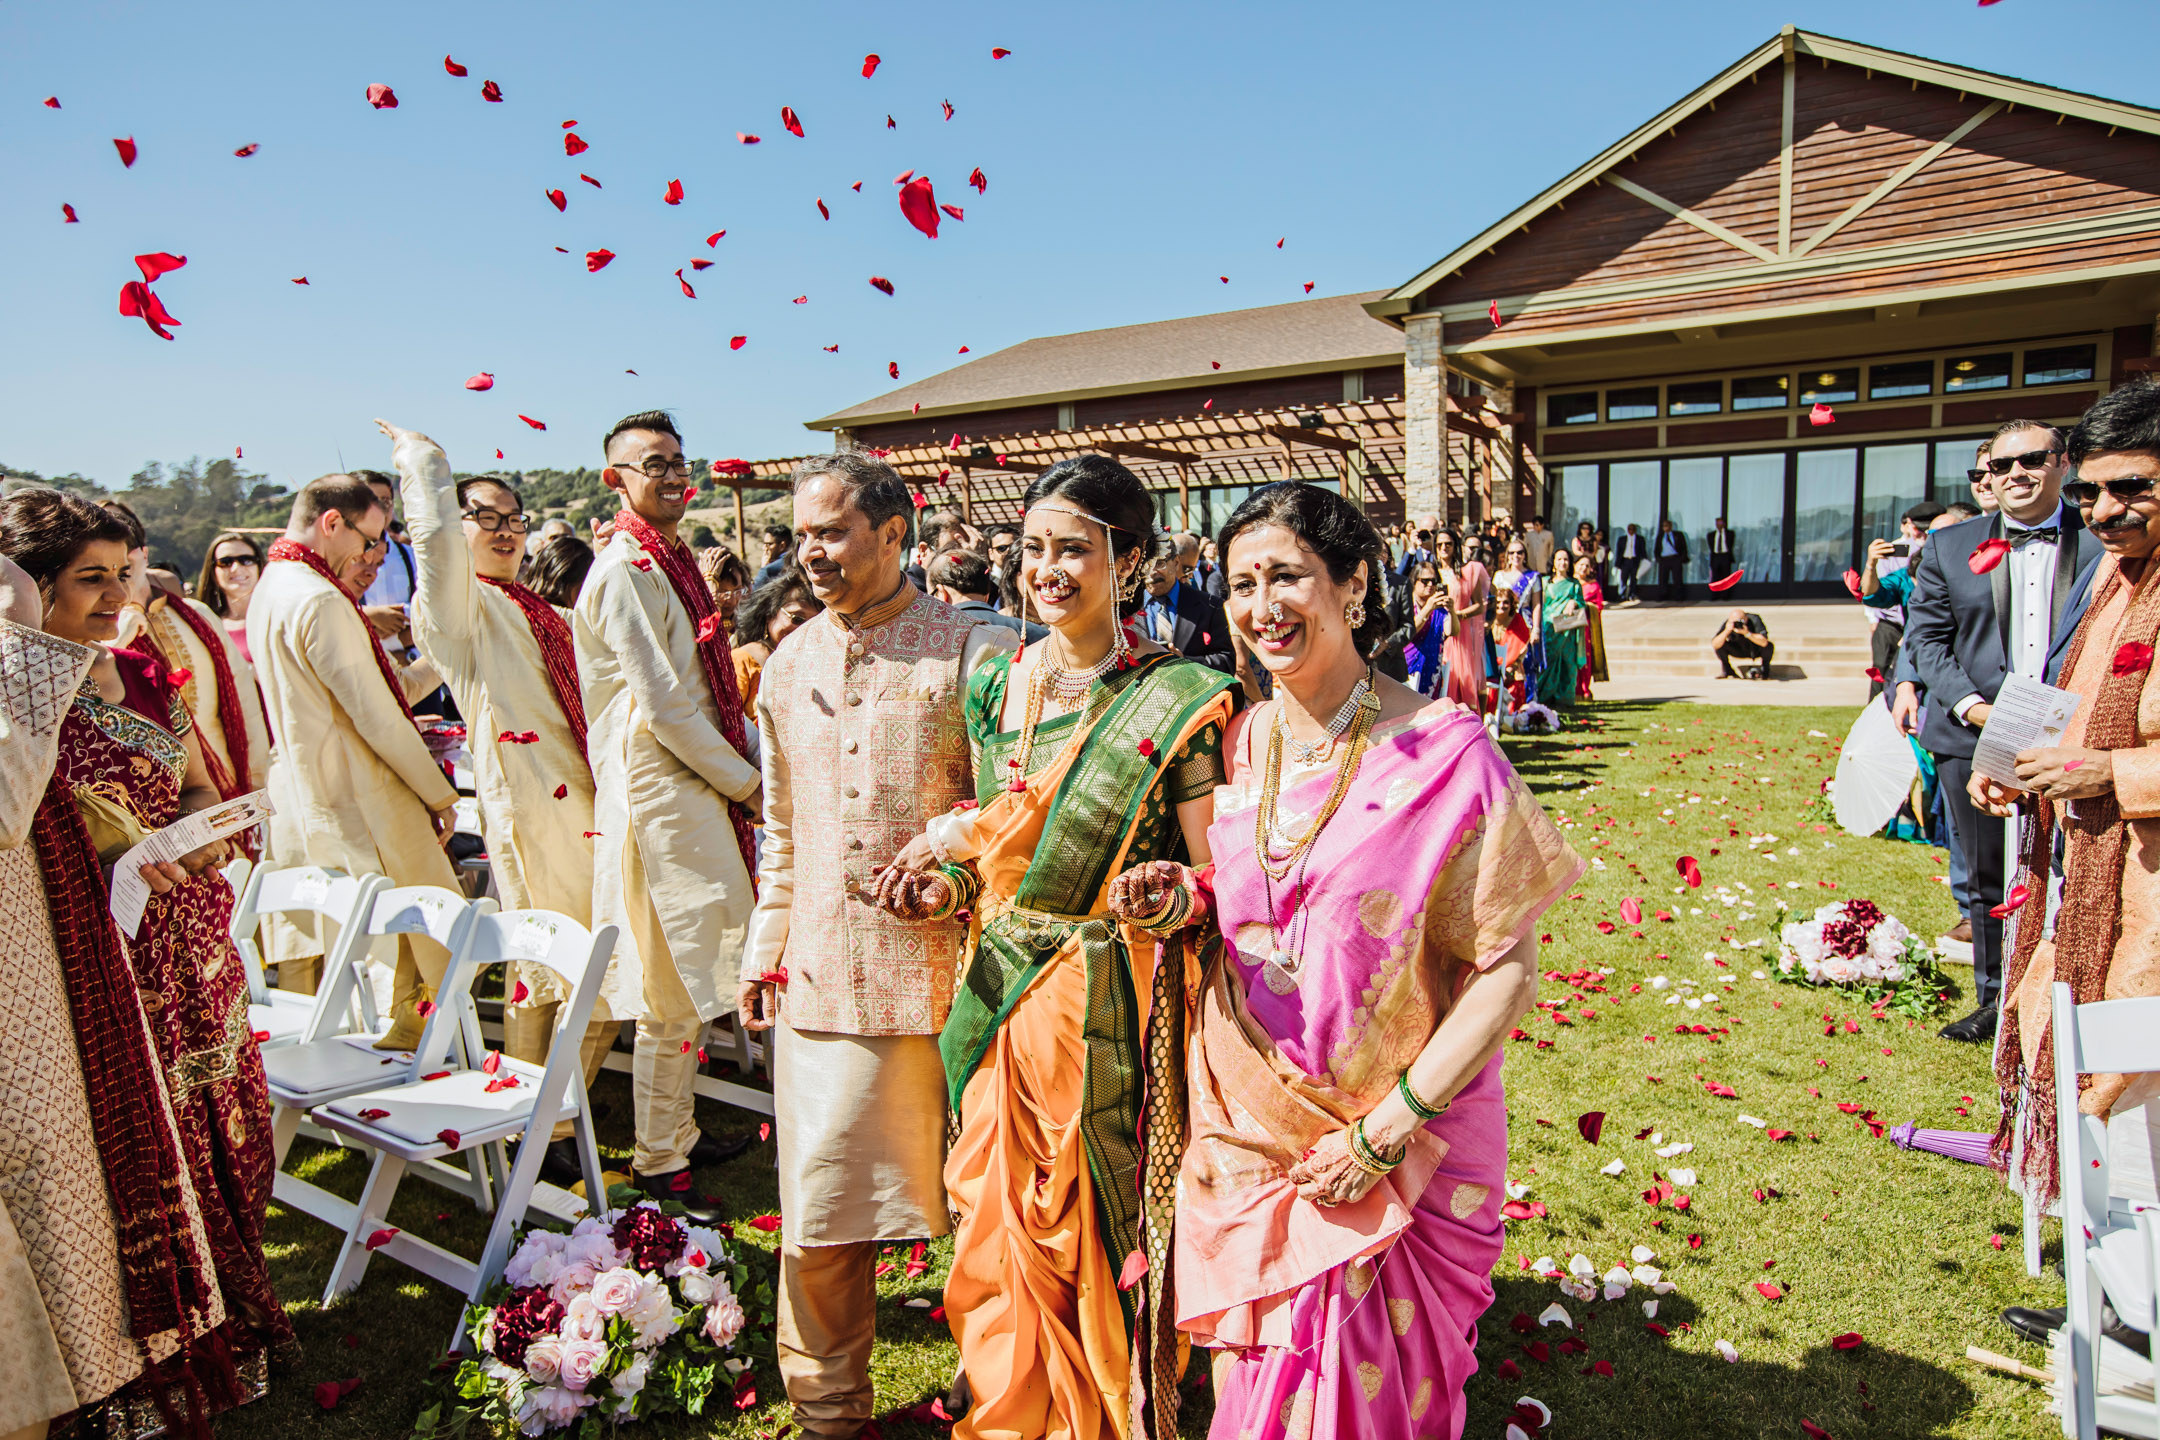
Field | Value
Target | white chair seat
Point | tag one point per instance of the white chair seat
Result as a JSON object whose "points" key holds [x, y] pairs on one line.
{"points": [[304, 1076], [2118, 1259], [282, 1017], [420, 1112]]}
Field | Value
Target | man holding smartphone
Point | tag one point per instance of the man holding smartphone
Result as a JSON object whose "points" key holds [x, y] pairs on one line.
{"points": [[1888, 561]]}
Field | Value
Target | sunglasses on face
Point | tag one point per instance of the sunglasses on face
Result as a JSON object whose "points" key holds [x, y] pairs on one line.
{"points": [[2030, 460], [1976, 477], [226, 562], [2083, 493]]}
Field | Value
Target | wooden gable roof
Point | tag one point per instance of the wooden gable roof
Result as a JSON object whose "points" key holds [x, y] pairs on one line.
{"points": [[1812, 173]]}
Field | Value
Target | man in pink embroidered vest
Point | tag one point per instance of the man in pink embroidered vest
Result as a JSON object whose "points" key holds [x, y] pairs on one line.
{"points": [[673, 793], [866, 703]]}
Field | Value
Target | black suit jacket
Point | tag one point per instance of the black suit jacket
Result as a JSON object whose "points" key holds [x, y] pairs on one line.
{"points": [[1719, 542], [1632, 548], [1657, 547], [2080, 602], [1957, 624], [1199, 630]]}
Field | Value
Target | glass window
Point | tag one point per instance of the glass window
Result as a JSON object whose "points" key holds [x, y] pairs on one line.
{"points": [[1977, 372], [1573, 497], [1631, 498], [1823, 514], [1639, 403], [2059, 364], [1952, 459], [1893, 479], [1828, 387], [1694, 498], [1696, 397], [1755, 513], [1577, 409], [1906, 377], [1762, 392]]}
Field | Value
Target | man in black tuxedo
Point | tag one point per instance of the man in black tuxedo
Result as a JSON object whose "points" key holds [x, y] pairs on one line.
{"points": [[1967, 631], [1628, 557], [1181, 616], [1720, 544], [1670, 548]]}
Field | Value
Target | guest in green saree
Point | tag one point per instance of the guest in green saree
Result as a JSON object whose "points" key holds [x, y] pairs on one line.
{"points": [[1566, 620], [1065, 1047]]}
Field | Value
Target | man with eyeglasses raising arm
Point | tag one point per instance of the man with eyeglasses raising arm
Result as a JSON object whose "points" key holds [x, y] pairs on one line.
{"points": [[509, 660], [1967, 630], [676, 789]]}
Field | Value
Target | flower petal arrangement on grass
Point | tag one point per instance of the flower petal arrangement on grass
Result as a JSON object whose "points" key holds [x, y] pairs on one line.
{"points": [[626, 1316], [1855, 946]]}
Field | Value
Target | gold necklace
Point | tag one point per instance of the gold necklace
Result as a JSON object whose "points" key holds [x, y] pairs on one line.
{"points": [[1264, 820], [1041, 682]]}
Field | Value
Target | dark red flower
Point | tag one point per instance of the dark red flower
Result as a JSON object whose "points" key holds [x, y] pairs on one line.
{"points": [[523, 1318], [651, 1239]]}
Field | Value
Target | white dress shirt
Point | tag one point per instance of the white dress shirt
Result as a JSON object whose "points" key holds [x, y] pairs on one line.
{"points": [[2032, 603]]}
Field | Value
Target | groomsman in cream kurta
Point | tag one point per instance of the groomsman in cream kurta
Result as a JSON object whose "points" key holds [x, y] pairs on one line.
{"points": [[508, 658], [353, 784], [675, 794], [864, 704]]}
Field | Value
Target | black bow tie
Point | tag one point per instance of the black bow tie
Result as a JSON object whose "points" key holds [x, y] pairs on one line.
{"points": [[2048, 534]]}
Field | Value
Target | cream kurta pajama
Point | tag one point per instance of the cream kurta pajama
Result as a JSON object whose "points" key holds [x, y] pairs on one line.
{"points": [[179, 643], [667, 868], [871, 716], [352, 782], [539, 845]]}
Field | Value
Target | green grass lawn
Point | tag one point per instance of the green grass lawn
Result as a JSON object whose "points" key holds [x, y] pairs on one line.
{"points": [[1858, 1235]]}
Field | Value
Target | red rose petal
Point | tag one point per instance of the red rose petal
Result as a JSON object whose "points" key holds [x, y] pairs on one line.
{"points": [[127, 148], [451, 67], [918, 202], [181, 676], [491, 92], [382, 97], [1808, 1427], [870, 64], [448, 1137], [736, 342], [246, 150], [879, 282], [686, 290], [1768, 1290], [1987, 555], [766, 1223], [52, 102], [381, 1237], [574, 144], [1730, 580], [372, 1114], [481, 381], [597, 260], [561, 791], [947, 105], [67, 215], [2131, 658], [559, 200], [2017, 897], [590, 181], [790, 122], [749, 139], [1591, 1125], [674, 195], [1690, 871], [980, 181], [1821, 415], [1850, 1340]]}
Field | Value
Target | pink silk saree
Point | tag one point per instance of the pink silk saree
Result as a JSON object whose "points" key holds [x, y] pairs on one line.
{"points": [[1356, 1320]]}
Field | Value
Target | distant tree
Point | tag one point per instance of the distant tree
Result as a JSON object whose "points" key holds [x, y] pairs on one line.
{"points": [[183, 505], [702, 537]]}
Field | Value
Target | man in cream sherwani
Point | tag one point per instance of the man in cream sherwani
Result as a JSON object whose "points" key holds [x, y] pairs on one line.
{"points": [[491, 640], [669, 867], [353, 784]]}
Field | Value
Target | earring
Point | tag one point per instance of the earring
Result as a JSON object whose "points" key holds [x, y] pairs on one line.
{"points": [[1354, 614]]}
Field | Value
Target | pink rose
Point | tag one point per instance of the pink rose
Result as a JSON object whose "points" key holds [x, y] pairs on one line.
{"points": [[615, 1291], [724, 1320], [581, 1361], [548, 1407], [1840, 971], [582, 1320], [543, 1359]]}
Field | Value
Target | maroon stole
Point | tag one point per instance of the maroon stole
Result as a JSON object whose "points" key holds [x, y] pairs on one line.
{"points": [[557, 654], [283, 549], [712, 648], [231, 718]]}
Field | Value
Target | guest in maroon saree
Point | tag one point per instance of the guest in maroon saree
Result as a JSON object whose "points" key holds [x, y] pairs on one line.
{"points": [[131, 763]]}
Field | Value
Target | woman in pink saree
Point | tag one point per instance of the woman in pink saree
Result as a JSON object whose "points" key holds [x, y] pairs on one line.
{"points": [[1379, 872]]}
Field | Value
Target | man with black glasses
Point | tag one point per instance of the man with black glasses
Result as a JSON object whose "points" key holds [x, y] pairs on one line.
{"points": [[675, 791], [1968, 628]]}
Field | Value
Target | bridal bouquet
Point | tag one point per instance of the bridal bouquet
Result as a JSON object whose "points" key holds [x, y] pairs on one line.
{"points": [[1853, 945], [625, 1317]]}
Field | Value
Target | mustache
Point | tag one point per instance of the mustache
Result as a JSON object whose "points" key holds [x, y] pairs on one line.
{"points": [[2129, 520]]}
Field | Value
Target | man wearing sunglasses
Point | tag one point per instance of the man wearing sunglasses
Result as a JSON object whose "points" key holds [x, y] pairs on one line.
{"points": [[675, 789], [1967, 630]]}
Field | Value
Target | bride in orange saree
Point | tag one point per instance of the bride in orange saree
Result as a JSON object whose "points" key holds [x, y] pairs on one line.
{"points": [[1379, 870]]}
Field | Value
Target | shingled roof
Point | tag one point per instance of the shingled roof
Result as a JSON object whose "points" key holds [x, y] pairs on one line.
{"points": [[1304, 337]]}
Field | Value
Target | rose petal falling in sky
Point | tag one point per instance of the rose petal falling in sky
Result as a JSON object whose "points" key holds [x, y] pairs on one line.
{"points": [[158, 263], [830, 349], [1730, 580], [748, 139], [491, 92], [67, 213], [954, 210], [892, 368], [299, 280], [879, 282], [574, 144], [1308, 287], [999, 52], [536, 424], [589, 180], [674, 192], [559, 200], [452, 68], [821, 210], [1821, 414], [736, 342], [52, 102], [246, 150], [800, 300], [1492, 312], [947, 106], [597, 260], [903, 177], [701, 264], [869, 65], [856, 187], [382, 97], [890, 123], [127, 149], [481, 381], [980, 181], [918, 202], [685, 285], [138, 299], [790, 121], [714, 238]]}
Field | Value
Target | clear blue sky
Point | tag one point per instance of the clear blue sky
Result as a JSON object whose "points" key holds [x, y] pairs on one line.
{"points": [[1135, 152]]}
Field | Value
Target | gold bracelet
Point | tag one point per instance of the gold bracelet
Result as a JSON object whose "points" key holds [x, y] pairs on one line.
{"points": [[1367, 1157], [1418, 1107]]}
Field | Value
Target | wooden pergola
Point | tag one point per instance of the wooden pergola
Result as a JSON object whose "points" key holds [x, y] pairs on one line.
{"points": [[1358, 444]]}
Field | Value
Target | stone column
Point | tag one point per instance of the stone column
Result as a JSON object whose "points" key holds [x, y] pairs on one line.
{"points": [[1501, 489], [1424, 417]]}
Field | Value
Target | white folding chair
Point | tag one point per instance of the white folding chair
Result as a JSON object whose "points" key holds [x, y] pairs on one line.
{"points": [[2108, 1246], [282, 1017], [335, 1058], [471, 1108]]}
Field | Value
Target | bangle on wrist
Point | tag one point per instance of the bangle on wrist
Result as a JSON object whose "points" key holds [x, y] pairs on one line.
{"points": [[1367, 1157], [1175, 911], [1419, 1108], [961, 887]]}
